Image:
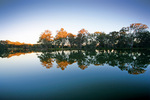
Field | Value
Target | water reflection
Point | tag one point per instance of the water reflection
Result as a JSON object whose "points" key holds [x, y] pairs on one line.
{"points": [[46, 60], [13, 53], [135, 62]]}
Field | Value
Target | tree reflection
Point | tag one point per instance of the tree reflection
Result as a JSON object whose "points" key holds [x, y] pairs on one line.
{"points": [[134, 62], [62, 64], [46, 60], [13, 53]]}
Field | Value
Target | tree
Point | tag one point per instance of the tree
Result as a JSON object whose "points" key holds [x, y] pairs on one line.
{"points": [[46, 38], [102, 39], [113, 38], [62, 35], [137, 27], [71, 39], [133, 29], [81, 37], [92, 42], [142, 39], [123, 39], [46, 59]]}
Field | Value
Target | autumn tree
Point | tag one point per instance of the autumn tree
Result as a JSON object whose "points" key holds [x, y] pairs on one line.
{"points": [[46, 38], [61, 35]]}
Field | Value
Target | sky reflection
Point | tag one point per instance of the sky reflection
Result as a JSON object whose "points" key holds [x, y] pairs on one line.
{"points": [[28, 79]]}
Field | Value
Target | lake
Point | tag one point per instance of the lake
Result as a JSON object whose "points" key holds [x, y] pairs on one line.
{"points": [[75, 75]]}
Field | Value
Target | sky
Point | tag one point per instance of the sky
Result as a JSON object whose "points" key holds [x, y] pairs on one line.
{"points": [[25, 20]]}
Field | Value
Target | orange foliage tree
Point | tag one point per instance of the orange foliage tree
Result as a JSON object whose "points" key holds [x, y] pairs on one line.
{"points": [[136, 27], [46, 38], [61, 35]]}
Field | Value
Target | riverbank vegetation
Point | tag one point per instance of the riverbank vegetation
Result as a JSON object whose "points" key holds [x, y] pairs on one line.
{"points": [[135, 36]]}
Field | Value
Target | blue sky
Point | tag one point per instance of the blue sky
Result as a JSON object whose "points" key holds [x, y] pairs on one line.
{"points": [[25, 20]]}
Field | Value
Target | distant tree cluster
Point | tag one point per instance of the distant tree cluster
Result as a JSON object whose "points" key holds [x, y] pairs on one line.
{"points": [[134, 36], [9, 45]]}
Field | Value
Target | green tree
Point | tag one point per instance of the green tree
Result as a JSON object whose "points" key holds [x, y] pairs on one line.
{"points": [[81, 38], [113, 38], [122, 39], [102, 40], [132, 30], [92, 42], [143, 39], [71, 39]]}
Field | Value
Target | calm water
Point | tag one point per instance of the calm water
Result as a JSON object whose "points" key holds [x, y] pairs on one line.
{"points": [[103, 75]]}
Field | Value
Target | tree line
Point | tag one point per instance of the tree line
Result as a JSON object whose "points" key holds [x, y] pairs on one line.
{"points": [[134, 36]]}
